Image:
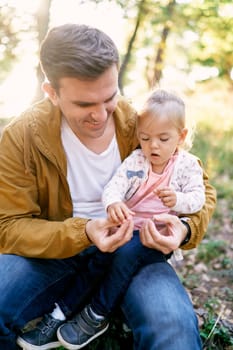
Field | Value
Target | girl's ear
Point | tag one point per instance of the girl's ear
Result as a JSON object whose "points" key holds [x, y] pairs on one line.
{"points": [[183, 135], [51, 92]]}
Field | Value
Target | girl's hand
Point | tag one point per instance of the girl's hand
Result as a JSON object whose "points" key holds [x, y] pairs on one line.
{"points": [[167, 196], [100, 233], [119, 212]]}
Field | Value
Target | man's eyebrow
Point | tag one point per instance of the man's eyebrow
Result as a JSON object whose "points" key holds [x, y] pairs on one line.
{"points": [[113, 95], [85, 103]]}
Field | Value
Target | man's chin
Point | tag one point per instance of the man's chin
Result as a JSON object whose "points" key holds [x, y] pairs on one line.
{"points": [[95, 134]]}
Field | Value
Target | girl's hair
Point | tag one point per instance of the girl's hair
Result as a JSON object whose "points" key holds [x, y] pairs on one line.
{"points": [[162, 103]]}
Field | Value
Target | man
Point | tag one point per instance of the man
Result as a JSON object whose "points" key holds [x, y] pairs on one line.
{"points": [[54, 162]]}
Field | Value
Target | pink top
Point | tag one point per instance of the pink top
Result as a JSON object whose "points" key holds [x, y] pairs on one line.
{"points": [[145, 203]]}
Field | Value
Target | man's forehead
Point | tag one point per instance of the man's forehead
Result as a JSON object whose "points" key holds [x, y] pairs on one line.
{"points": [[88, 91]]}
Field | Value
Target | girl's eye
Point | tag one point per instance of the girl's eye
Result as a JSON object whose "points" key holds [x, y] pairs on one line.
{"points": [[164, 140], [145, 138]]}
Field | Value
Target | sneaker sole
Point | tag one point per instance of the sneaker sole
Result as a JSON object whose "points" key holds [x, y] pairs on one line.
{"points": [[76, 347], [27, 346]]}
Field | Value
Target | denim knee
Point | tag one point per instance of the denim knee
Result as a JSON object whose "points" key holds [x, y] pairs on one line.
{"points": [[159, 311]]}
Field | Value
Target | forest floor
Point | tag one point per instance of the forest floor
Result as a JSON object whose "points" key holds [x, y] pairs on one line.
{"points": [[207, 274]]}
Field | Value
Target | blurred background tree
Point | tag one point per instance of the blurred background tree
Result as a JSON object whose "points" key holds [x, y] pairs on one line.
{"points": [[15, 29], [42, 20], [193, 37]]}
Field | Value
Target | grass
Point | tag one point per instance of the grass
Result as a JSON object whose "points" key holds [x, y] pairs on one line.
{"points": [[211, 249], [214, 334]]}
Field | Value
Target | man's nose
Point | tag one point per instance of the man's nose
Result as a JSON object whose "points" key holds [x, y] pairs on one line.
{"points": [[99, 113]]}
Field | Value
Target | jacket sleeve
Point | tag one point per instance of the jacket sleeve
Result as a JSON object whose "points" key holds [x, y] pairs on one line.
{"points": [[191, 192], [24, 229], [118, 186], [198, 222]]}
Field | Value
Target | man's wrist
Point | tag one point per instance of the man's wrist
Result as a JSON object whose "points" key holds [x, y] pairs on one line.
{"points": [[188, 235]]}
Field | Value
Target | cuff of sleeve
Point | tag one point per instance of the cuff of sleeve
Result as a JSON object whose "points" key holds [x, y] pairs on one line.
{"points": [[188, 236], [88, 238]]}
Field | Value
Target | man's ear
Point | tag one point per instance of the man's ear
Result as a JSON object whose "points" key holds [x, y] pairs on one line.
{"points": [[183, 135], [51, 92]]}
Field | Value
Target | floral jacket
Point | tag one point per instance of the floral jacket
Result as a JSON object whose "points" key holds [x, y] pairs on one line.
{"points": [[186, 181]]}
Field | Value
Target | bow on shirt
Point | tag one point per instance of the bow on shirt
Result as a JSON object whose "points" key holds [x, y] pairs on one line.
{"points": [[131, 173]]}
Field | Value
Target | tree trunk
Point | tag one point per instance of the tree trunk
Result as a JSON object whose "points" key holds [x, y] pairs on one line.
{"points": [[159, 59], [128, 54]]}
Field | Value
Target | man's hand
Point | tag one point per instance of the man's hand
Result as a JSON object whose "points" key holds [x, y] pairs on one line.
{"points": [[104, 234], [167, 196], [152, 238], [118, 212]]}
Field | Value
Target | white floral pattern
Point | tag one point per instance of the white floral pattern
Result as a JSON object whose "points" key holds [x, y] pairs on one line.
{"points": [[186, 181]]}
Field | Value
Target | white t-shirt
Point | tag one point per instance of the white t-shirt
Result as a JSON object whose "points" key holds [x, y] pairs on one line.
{"points": [[88, 173]]}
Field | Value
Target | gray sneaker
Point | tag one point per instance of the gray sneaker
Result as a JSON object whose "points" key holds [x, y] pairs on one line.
{"points": [[82, 329], [42, 337]]}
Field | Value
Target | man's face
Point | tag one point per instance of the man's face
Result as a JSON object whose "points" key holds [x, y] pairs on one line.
{"points": [[87, 105]]}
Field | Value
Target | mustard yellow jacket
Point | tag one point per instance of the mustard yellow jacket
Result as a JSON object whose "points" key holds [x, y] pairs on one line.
{"points": [[35, 203]]}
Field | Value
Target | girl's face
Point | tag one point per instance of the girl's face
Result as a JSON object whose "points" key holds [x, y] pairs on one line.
{"points": [[159, 139]]}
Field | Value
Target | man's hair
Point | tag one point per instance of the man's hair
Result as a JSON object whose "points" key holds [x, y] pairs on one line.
{"points": [[78, 51]]}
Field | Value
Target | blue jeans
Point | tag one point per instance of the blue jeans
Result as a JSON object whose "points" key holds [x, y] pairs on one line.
{"points": [[124, 264], [110, 274], [155, 305]]}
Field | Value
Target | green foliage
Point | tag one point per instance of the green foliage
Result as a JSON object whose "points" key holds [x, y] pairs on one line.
{"points": [[210, 23], [215, 147], [213, 139], [220, 336], [209, 250], [227, 263], [214, 334], [191, 281], [200, 35], [17, 29], [8, 39]]}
